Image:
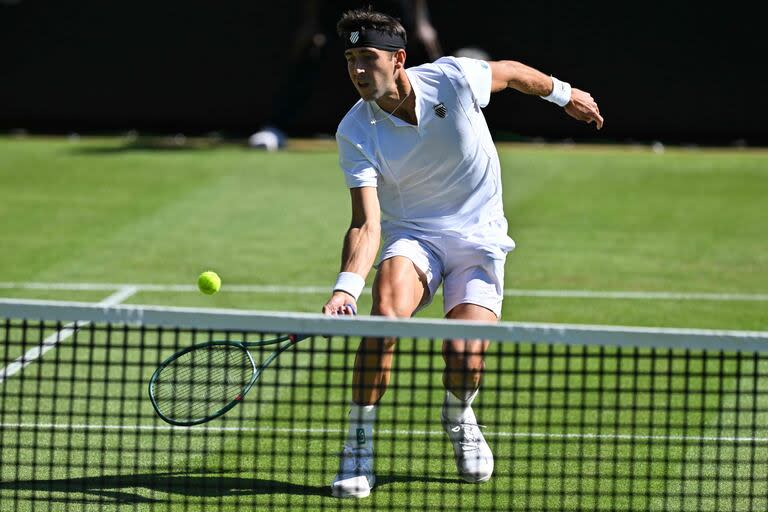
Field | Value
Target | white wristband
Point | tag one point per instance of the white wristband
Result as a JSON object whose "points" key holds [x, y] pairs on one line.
{"points": [[561, 92], [351, 283]]}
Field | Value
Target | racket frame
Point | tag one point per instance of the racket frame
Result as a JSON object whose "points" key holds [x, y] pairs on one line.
{"points": [[244, 346]]}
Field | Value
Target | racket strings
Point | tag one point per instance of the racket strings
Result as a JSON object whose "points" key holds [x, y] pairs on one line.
{"points": [[201, 382]]}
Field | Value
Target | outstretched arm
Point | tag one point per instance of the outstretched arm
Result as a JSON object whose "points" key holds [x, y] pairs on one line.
{"points": [[361, 244], [516, 75]]}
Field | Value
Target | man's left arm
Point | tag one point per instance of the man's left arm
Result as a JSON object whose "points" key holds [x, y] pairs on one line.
{"points": [[516, 75]]}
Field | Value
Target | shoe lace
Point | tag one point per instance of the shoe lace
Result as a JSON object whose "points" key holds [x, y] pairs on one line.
{"points": [[470, 435]]}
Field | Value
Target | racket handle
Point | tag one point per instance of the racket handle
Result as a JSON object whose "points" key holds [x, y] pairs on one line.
{"points": [[351, 307]]}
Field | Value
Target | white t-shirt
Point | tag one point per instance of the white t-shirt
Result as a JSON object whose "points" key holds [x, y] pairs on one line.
{"points": [[441, 176]]}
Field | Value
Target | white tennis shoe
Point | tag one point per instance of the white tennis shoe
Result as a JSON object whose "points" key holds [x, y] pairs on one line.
{"points": [[355, 478], [474, 459]]}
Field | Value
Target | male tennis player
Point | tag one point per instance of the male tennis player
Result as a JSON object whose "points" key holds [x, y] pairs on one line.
{"points": [[424, 175]]}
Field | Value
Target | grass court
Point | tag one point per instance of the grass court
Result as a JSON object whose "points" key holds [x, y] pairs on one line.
{"points": [[597, 219]]}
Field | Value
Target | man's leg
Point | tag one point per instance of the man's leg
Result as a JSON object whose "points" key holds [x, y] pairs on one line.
{"points": [[462, 375], [464, 358], [398, 291]]}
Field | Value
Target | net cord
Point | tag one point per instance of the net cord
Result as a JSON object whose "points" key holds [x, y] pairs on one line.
{"points": [[317, 324]]}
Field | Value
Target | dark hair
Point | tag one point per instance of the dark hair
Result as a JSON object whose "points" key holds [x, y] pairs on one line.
{"points": [[368, 19]]}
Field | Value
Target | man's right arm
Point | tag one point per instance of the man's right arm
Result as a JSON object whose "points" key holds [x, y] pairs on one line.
{"points": [[361, 244]]}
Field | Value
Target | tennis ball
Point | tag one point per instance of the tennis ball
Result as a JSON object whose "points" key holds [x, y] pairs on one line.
{"points": [[209, 282]]}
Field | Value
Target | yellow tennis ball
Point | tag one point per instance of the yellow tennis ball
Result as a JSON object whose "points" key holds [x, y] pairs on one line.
{"points": [[209, 282]]}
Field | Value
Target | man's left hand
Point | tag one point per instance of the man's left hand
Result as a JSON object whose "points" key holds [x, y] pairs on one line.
{"points": [[584, 108]]}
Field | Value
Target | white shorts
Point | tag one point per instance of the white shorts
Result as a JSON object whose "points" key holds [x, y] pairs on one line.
{"points": [[472, 271]]}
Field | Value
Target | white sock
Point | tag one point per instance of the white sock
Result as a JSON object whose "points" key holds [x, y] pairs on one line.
{"points": [[361, 420], [455, 410]]}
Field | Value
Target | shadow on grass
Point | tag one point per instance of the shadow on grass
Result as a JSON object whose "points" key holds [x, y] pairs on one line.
{"points": [[122, 489], [169, 144], [409, 479]]}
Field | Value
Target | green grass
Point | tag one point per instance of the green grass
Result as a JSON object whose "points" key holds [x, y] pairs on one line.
{"points": [[591, 218], [603, 219]]}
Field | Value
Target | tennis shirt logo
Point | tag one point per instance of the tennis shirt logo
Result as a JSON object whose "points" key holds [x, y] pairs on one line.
{"points": [[360, 436], [440, 110], [354, 36]]}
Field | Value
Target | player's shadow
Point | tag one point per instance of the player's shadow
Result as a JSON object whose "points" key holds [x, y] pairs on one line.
{"points": [[125, 489]]}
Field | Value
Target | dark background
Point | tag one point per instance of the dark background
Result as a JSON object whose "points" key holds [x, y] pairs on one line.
{"points": [[678, 71]]}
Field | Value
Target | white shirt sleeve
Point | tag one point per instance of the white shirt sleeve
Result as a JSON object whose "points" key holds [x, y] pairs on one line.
{"points": [[358, 169], [477, 73]]}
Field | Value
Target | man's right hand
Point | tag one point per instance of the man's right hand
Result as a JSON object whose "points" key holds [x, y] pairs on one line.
{"points": [[340, 303]]}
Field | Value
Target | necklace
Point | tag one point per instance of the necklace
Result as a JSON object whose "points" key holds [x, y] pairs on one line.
{"points": [[374, 120]]}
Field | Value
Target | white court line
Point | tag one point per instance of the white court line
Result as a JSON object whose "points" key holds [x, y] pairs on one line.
{"points": [[315, 290], [51, 341], [286, 430]]}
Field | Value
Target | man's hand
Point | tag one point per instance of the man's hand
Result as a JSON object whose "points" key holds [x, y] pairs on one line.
{"points": [[584, 108], [340, 303]]}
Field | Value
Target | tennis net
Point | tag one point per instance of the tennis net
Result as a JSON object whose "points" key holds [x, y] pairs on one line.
{"points": [[577, 417]]}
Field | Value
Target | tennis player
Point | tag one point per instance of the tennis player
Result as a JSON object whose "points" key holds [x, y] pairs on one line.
{"points": [[425, 177]]}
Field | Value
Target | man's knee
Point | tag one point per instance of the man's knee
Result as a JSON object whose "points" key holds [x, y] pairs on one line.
{"points": [[391, 307], [393, 301], [388, 307], [399, 288]]}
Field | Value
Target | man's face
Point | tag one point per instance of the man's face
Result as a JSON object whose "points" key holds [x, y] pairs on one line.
{"points": [[371, 71]]}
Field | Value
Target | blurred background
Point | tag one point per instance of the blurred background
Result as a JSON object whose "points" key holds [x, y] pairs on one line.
{"points": [[679, 72]]}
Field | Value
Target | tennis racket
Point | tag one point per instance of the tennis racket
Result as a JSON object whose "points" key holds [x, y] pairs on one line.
{"points": [[204, 381]]}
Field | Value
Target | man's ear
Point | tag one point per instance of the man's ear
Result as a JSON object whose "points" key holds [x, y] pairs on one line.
{"points": [[399, 56]]}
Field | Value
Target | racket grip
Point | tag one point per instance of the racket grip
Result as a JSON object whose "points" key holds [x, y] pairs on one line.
{"points": [[295, 338], [351, 307]]}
